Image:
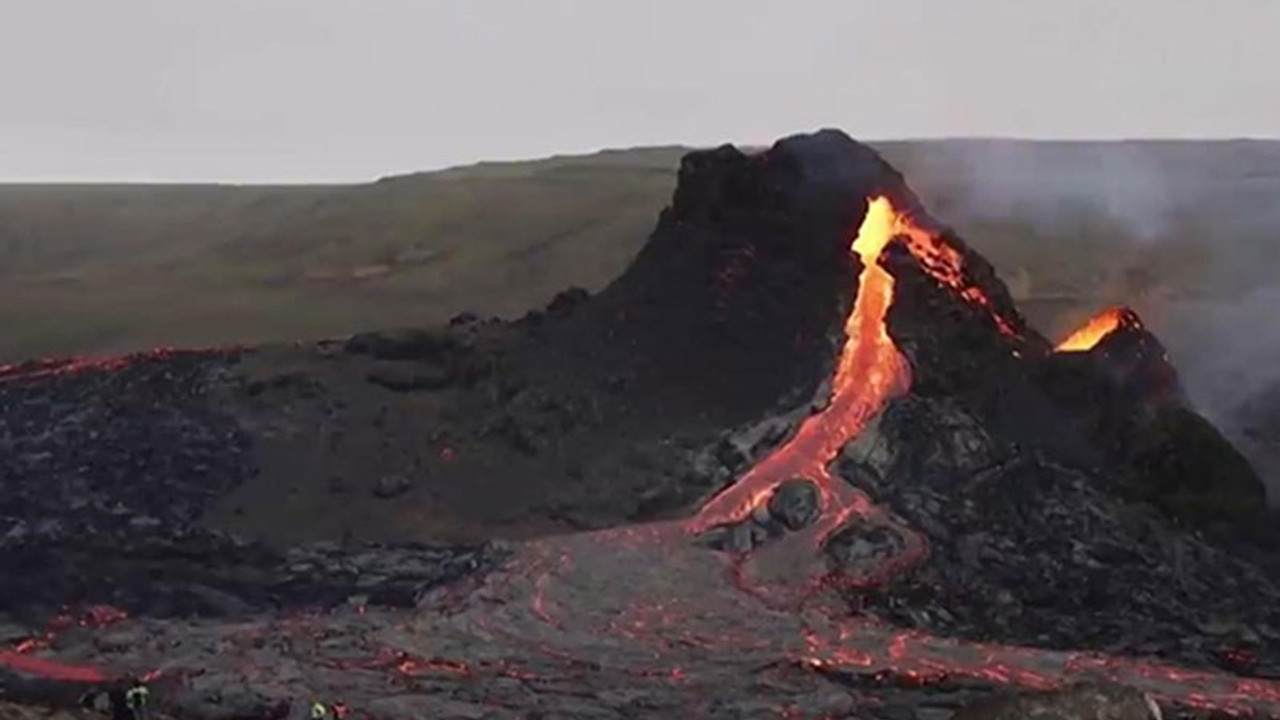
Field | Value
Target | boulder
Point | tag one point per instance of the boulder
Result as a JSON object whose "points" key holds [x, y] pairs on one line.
{"points": [[401, 344], [795, 504]]}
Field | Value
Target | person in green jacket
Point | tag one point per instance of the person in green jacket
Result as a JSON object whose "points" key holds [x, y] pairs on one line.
{"points": [[138, 699], [319, 711]]}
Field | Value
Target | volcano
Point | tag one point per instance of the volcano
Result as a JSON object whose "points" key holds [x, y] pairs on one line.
{"points": [[803, 459]]}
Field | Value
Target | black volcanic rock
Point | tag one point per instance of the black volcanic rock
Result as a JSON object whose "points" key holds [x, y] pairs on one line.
{"points": [[1127, 371], [411, 378], [1180, 462], [105, 472], [794, 504], [1046, 484], [401, 344], [1083, 701], [739, 298], [1124, 395], [744, 284]]}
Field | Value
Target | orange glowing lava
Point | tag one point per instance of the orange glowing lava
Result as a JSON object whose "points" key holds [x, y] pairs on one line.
{"points": [[869, 372], [946, 265], [1098, 328]]}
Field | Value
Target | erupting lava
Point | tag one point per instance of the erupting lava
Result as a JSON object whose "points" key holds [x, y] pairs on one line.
{"points": [[869, 372], [1098, 328]]}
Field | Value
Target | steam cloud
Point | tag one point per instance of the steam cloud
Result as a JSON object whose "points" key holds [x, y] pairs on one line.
{"points": [[1051, 184], [1226, 353], [1219, 314]]}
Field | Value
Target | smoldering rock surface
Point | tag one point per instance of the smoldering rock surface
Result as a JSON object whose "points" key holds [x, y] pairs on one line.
{"points": [[106, 476], [1021, 544], [589, 626]]}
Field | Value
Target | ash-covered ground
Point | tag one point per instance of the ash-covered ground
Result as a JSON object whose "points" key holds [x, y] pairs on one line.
{"points": [[803, 459]]}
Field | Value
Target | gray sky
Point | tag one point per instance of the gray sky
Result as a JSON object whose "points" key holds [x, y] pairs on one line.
{"points": [[312, 90]]}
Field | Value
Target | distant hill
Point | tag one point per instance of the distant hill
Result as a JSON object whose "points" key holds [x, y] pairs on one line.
{"points": [[108, 268]]}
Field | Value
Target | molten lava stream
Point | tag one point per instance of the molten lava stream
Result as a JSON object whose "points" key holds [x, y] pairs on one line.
{"points": [[870, 371], [50, 669]]}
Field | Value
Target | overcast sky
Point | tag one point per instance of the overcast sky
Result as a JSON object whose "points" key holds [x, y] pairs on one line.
{"points": [[315, 90]]}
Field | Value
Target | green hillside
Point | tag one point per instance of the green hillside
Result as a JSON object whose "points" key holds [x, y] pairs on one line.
{"points": [[91, 269]]}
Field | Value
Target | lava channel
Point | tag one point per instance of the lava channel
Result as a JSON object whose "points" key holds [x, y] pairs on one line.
{"points": [[870, 372]]}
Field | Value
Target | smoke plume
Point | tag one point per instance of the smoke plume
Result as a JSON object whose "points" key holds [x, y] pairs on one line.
{"points": [[1187, 233], [1055, 183]]}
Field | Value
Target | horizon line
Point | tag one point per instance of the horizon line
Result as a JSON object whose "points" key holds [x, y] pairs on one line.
{"points": [[578, 154]]}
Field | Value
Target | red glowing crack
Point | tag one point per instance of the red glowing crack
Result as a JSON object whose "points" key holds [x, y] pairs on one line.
{"points": [[51, 367], [51, 669]]}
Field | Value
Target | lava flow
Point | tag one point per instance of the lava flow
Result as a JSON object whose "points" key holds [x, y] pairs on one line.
{"points": [[870, 372], [1098, 328], [75, 365], [22, 658]]}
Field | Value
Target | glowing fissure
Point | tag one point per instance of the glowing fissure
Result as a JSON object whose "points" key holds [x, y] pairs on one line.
{"points": [[21, 657], [70, 366], [50, 367], [51, 669], [1098, 328], [945, 264]]}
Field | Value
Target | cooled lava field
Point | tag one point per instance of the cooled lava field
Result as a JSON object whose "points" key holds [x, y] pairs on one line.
{"points": [[803, 459]]}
